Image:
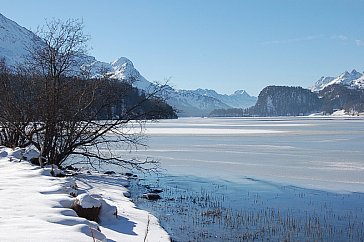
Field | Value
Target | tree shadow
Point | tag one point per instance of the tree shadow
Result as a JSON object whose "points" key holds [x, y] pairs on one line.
{"points": [[114, 180]]}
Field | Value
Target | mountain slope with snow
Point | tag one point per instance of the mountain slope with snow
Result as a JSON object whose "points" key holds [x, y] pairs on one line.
{"points": [[14, 40], [189, 103], [239, 99], [186, 102], [353, 79]]}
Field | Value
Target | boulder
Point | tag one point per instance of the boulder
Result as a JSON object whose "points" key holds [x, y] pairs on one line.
{"points": [[156, 190], [87, 207], [151, 196], [94, 208], [127, 194], [35, 161], [109, 172]]}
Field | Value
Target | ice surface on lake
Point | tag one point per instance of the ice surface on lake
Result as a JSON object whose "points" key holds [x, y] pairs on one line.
{"points": [[318, 153]]}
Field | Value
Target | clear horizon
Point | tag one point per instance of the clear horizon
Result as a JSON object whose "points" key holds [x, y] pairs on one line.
{"points": [[225, 46]]}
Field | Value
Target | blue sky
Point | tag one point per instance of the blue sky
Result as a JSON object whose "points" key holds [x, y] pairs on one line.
{"points": [[221, 45]]}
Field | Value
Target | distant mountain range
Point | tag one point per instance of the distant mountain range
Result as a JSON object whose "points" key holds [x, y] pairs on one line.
{"points": [[345, 91], [328, 94], [14, 39], [239, 99], [297, 101], [353, 80]]}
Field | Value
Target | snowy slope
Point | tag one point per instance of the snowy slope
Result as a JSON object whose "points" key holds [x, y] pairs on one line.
{"points": [[123, 69], [351, 79], [13, 40], [33, 206]]}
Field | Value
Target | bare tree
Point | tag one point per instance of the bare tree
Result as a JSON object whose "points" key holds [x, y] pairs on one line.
{"points": [[58, 49], [65, 117], [15, 107]]}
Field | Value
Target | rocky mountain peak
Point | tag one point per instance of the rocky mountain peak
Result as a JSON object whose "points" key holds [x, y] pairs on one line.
{"points": [[122, 63], [350, 79]]}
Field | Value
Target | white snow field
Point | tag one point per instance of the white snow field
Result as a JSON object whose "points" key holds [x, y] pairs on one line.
{"points": [[35, 206], [309, 152]]}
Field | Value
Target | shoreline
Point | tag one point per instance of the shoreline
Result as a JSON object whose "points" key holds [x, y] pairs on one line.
{"points": [[215, 210], [36, 206]]}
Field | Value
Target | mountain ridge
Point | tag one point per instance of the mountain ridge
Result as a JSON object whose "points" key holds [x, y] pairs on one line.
{"points": [[14, 39], [239, 99], [353, 79]]}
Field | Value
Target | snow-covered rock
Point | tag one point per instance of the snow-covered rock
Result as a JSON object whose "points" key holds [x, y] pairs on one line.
{"points": [[3, 153], [30, 154], [16, 153], [88, 201]]}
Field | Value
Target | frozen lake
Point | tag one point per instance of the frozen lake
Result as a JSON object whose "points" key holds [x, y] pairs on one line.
{"points": [[316, 153], [247, 179]]}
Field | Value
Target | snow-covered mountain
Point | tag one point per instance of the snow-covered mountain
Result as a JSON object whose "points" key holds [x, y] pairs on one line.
{"points": [[186, 102], [351, 79], [121, 69], [239, 99], [14, 40], [198, 102], [189, 103]]}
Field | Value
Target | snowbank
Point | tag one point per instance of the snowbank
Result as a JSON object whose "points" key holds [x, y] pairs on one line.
{"points": [[131, 224], [35, 206], [337, 113]]}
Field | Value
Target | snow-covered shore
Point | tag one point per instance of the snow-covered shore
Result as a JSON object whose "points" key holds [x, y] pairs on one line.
{"points": [[35, 206]]}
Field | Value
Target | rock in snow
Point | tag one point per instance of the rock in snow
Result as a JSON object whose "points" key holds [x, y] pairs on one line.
{"points": [[94, 208], [87, 207], [151, 196], [87, 201]]}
